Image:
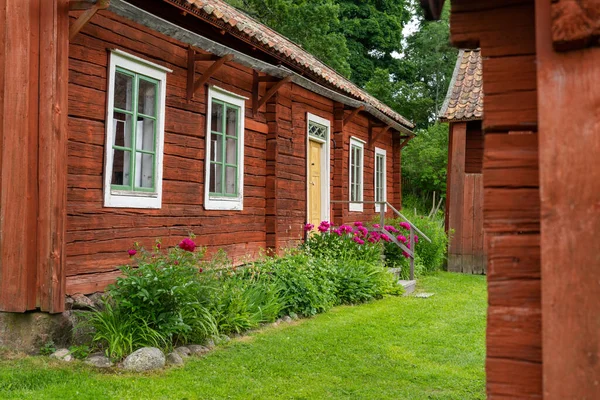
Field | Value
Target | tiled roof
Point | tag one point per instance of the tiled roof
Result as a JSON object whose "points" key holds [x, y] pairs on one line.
{"points": [[239, 24], [464, 101]]}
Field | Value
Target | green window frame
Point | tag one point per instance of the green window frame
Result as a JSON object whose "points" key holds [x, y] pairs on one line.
{"points": [[224, 167], [137, 156]]}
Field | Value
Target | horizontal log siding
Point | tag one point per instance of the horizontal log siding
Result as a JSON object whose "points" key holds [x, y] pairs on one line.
{"points": [[98, 237]]}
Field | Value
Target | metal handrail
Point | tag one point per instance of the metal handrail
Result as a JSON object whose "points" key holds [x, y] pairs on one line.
{"points": [[410, 251]]}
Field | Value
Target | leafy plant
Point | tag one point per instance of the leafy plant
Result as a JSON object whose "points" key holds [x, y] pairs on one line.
{"points": [[48, 348], [80, 352]]}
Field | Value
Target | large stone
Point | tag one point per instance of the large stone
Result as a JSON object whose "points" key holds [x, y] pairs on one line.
{"points": [[99, 361], [82, 332], [174, 358], [183, 351], [198, 350], [62, 354], [145, 359], [81, 302], [98, 299], [28, 332]]}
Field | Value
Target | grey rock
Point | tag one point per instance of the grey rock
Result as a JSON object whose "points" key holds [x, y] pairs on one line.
{"points": [[224, 339], [81, 302], [174, 358], [82, 333], [210, 343], [183, 351], [27, 332], [68, 303], [62, 354], [198, 350], [144, 359], [97, 299], [99, 361], [294, 316], [287, 319]]}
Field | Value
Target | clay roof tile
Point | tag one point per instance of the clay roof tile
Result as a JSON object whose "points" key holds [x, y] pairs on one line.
{"points": [[464, 100]]}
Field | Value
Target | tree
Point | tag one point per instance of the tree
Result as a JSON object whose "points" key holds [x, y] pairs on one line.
{"points": [[313, 24]]}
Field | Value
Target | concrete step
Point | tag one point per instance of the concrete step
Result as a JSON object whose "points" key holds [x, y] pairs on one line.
{"points": [[409, 286]]}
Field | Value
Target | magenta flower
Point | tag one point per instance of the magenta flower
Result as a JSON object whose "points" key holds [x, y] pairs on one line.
{"points": [[405, 254], [337, 231], [358, 240], [402, 238], [308, 227], [358, 223], [324, 226], [345, 229], [132, 252], [376, 226], [200, 270], [391, 229], [416, 239], [405, 225], [187, 244], [362, 231], [386, 238]]}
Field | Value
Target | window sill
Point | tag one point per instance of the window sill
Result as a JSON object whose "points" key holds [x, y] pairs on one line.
{"points": [[224, 203], [125, 199], [357, 207]]}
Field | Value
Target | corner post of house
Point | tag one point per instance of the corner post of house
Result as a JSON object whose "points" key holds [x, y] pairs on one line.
{"points": [[455, 200], [272, 157], [340, 160]]}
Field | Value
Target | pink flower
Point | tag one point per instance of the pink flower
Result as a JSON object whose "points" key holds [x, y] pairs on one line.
{"points": [[187, 244], [337, 231], [132, 252], [416, 239], [385, 238], [405, 225], [391, 229], [200, 270], [324, 226], [345, 229], [405, 254], [358, 240], [308, 227], [358, 223], [158, 246], [374, 238], [402, 238], [176, 262], [376, 226], [362, 231]]}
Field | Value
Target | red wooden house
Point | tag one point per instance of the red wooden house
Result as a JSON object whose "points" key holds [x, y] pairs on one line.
{"points": [[463, 110], [130, 120], [541, 184]]}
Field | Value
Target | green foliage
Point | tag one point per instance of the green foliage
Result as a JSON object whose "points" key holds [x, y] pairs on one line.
{"points": [[48, 348], [120, 333], [80, 352], [429, 256], [315, 25], [425, 160]]}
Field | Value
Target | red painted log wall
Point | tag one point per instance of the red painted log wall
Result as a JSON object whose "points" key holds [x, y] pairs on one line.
{"points": [[275, 160]]}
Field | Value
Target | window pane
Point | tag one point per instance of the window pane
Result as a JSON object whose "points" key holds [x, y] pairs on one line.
{"points": [[145, 134], [123, 91], [121, 167], [144, 170], [216, 123], [215, 178], [232, 121], [231, 151], [122, 129], [146, 97], [230, 179], [216, 148]]}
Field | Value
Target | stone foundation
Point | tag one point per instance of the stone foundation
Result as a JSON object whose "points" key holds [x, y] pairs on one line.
{"points": [[29, 331]]}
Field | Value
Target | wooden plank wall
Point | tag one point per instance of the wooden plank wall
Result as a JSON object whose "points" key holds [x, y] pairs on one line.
{"points": [[33, 70], [466, 252], [569, 142], [275, 160], [505, 31]]}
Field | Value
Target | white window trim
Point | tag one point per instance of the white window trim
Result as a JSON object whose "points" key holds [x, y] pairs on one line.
{"points": [[127, 199], [359, 207], [212, 202], [325, 165], [383, 153]]}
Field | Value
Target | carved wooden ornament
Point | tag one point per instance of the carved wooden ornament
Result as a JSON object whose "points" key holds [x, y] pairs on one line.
{"points": [[575, 24]]}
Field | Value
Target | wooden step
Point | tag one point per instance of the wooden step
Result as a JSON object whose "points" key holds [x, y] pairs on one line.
{"points": [[409, 286]]}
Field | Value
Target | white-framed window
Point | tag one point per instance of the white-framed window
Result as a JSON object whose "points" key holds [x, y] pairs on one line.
{"points": [[380, 177], [135, 119], [224, 181], [357, 155]]}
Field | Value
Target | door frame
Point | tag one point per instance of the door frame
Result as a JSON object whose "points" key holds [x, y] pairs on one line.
{"points": [[325, 166]]}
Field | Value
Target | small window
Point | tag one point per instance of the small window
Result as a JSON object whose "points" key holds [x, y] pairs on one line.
{"points": [[134, 132], [380, 177], [357, 149], [225, 151]]}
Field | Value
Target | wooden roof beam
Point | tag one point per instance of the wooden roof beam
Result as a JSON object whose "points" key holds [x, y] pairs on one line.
{"points": [[406, 140], [193, 57], [270, 94], [373, 140], [353, 114], [91, 8]]}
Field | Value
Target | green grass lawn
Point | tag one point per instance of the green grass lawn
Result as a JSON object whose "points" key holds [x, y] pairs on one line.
{"points": [[396, 348]]}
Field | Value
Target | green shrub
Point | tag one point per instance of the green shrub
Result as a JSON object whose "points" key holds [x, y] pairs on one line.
{"points": [[48, 348], [360, 281], [120, 333], [80, 352]]}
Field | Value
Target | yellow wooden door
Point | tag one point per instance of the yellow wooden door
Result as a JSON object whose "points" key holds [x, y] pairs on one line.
{"points": [[314, 183]]}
